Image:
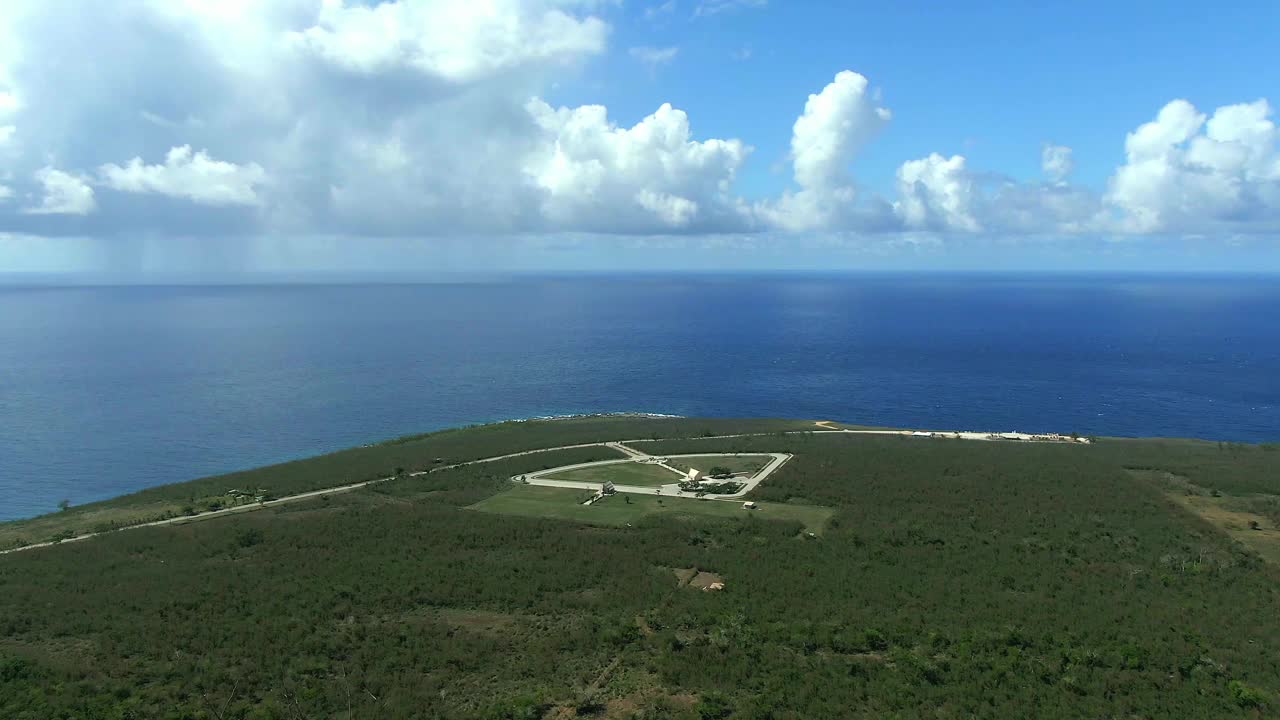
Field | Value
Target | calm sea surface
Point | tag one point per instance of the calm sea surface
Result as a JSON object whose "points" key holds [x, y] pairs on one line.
{"points": [[107, 390]]}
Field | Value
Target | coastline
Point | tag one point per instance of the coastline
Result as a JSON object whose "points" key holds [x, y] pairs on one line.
{"points": [[415, 456]]}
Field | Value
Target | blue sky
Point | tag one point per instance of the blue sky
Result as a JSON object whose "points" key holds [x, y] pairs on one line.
{"points": [[990, 80], [238, 136]]}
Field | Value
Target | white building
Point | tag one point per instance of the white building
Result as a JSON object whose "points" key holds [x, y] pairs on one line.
{"points": [[694, 475]]}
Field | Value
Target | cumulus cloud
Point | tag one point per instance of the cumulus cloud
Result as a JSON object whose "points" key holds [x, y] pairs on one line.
{"points": [[422, 118], [594, 175], [943, 194], [1185, 171], [936, 193], [64, 194], [1057, 163], [318, 95], [196, 177], [457, 41], [835, 124], [9, 106]]}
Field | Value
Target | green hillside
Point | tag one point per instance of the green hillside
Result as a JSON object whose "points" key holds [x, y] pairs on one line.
{"points": [[951, 579]]}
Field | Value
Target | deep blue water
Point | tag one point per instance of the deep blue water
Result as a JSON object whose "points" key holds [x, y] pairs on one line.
{"points": [[106, 390]]}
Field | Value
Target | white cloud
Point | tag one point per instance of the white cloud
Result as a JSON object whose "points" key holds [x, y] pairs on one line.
{"points": [[6, 192], [671, 210], [936, 193], [1057, 163], [64, 194], [194, 176], [1185, 172], [1037, 208], [653, 56], [660, 10], [836, 123], [593, 175], [707, 8], [457, 41], [9, 106], [413, 118]]}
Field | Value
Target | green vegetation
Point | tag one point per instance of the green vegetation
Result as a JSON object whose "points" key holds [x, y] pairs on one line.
{"points": [[566, 504], [750, 464], [411, 453], [1251, 519], [952, 579], [624, 473]]}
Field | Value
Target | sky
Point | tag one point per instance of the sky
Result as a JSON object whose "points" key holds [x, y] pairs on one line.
{"points": [[215, 137]]}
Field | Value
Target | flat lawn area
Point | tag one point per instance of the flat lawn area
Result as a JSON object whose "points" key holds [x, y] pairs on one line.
{"points": [[566, 504], [736, 463], [625, 473]]}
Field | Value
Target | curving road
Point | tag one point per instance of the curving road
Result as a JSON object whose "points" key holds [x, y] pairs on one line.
{"points": [[618, 445], [670, 490]]}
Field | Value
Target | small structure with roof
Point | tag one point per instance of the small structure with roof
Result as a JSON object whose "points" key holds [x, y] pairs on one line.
{"points": [[608, 488], [748, 505], [694, 475]]}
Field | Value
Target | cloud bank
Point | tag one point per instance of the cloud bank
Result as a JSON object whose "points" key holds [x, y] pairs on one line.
{"points": [[418, 118]]}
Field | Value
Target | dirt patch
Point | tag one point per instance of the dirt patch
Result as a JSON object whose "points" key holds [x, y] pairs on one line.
{"points": [[1264, 540], [480, 621], [684, 575], [707, 581], [1256, 532], [627, 707]]}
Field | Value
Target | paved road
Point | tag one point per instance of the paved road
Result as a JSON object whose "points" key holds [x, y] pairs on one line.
{"points": [[184, 519], [618, 445], [626, 450]]}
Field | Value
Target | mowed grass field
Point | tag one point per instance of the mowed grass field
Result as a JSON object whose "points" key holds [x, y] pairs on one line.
{"points": [[566, 504], [735, 463], [624, 473]]}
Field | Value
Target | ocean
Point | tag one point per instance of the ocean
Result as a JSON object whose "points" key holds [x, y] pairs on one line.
{"points": [[108, 390]]}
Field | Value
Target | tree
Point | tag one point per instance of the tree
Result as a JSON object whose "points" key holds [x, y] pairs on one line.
{"points": [[714, 706], [64, 505]]}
